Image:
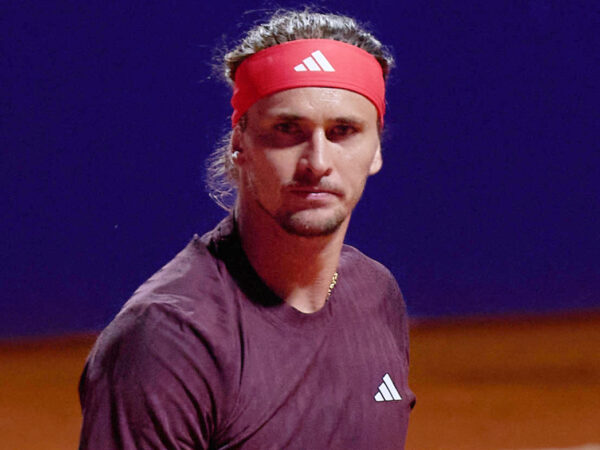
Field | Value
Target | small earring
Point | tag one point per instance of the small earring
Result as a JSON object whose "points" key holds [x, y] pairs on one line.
{"points": [[235, 155]]}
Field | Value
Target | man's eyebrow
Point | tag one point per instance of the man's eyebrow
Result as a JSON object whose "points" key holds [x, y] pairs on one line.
{"points": [[284, 116], [350, 120], [343, 120]]}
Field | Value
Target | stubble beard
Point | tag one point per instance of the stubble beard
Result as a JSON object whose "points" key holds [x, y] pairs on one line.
{"points": [[308, 223], [299, 223]]}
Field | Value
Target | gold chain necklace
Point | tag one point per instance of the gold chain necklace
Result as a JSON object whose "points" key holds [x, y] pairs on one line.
{"points": [[332, 285]]}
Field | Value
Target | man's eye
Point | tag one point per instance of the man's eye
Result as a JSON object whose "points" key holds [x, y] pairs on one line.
{"points": [[341, 131], [288, 128]]}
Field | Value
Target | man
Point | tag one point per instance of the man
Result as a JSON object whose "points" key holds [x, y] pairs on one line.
{"points": [[268, 332]]}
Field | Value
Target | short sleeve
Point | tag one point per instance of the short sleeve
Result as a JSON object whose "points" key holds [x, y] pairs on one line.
{"points": [[151, 381]]}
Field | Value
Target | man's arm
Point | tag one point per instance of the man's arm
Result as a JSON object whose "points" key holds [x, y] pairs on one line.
{"points": [[149, 383]]}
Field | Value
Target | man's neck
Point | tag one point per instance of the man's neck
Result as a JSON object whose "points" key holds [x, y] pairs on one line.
{"points": [[298, 269]]}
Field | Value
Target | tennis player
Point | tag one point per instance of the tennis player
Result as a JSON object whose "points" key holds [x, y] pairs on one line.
{"points": [[268, 332]]}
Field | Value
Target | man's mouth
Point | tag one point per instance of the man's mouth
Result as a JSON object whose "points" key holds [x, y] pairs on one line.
{"points": [[324, 190]]}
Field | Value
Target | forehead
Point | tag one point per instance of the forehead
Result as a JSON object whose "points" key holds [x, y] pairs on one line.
{"points": [[315, 103]]}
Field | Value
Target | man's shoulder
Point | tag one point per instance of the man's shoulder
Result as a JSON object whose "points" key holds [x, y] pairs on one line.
{"points": [[191, 295], [360, 265], [368, 281], [194, 278], [185, 283], [373, 288], [165, 357]]}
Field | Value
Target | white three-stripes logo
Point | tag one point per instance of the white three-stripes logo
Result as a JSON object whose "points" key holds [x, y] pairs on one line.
{"points": [[315, 63], [387, 391]]}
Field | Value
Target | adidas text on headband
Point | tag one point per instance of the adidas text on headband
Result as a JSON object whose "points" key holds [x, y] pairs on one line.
{"points": [[307, 63]]}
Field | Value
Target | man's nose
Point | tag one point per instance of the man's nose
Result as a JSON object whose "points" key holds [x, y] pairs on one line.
{"points": [[317, 155]]}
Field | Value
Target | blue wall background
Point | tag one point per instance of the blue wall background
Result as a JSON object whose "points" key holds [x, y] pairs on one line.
{"points": [[488, 201]]}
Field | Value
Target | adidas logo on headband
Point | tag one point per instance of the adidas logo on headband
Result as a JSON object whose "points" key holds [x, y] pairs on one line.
{"points": [[315, 63]]}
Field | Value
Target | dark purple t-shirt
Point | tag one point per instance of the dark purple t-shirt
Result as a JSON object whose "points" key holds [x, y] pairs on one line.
{"points": [[204, 355]]}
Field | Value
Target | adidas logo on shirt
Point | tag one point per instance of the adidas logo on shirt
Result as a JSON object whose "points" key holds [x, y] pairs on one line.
{"points": [[315, 63], [387, 391]]}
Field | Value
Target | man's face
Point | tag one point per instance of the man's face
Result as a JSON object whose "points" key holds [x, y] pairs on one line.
{"points": [[305, 155]]}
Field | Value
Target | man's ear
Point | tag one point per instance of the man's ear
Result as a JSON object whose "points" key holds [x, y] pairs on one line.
{"points": [[237, 154], [376, 162]]}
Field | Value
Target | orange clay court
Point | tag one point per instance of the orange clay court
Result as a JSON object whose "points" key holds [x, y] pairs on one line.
{"points": [[490, 383]]}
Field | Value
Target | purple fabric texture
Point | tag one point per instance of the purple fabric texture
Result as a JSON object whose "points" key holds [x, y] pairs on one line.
{"points": [[204, 355]]}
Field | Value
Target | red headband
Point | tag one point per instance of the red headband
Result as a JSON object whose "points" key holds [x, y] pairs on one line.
{"points": [[304, 63]]}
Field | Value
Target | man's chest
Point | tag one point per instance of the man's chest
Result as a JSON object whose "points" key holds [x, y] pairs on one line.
{"points": [[342, 386]]}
